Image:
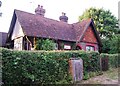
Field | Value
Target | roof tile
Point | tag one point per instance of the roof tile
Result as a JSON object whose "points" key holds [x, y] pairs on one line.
{"points": [[36, 25]]}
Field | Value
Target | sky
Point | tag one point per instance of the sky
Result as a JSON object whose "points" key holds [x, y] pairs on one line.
{"points": [[54, 8]]}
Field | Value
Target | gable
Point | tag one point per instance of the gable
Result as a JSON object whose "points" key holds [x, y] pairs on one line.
{"points": [[17, 31], [80, 28], [89, 36]]}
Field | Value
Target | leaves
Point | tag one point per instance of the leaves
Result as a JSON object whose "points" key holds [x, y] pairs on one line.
{"points": [[113, 59], [43, 67], [47, 67], [105, 22], [45, 44], [111, 45]]}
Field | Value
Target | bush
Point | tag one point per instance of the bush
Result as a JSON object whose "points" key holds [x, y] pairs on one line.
{"points": [[45, 44], [42, 67], [112, 45], [112, 59]]}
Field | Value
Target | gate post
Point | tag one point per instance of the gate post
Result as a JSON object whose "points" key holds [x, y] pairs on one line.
{"points": [[76, 68]]}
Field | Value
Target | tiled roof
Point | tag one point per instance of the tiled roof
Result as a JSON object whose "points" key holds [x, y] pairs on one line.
{"points": [[39, 26], [80, 28], [3, 37], [36, 25]]}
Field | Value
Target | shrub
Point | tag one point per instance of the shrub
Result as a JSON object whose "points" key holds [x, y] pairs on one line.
{"points": [[112, 59], [43, 67], [45, 44]]}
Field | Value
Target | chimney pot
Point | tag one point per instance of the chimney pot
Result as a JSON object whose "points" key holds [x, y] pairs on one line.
{"points": [[40, 11], [63, 18]]}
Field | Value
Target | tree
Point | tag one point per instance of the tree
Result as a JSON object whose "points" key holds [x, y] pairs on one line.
{"points": [[112, 45], [106, 23], [105, 45]]}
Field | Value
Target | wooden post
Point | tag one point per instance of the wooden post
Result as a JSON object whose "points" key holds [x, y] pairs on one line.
{"points": [[76, 69], [29, 42], [34, 43], [100, 65]]}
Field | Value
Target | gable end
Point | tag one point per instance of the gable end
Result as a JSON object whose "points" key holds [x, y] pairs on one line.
{"points": [[89, 35]]}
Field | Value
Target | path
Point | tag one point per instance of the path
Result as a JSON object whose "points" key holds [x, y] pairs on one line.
{"points": [[108, 77]]}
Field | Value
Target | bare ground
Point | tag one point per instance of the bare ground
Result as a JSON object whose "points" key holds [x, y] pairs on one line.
{"points": [[108, 77]]}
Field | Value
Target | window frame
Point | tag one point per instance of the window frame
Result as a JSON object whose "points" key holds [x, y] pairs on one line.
{"points": [[91, 48]]}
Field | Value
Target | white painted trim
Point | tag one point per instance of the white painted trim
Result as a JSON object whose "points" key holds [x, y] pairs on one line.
{"points": [[68, 47], [17, 31]]}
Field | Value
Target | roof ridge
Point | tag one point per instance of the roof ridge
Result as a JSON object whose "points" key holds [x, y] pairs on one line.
{"points": [[16, 10]]}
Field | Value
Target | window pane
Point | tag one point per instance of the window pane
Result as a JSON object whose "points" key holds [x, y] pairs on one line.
{"points": [[89, 48]]}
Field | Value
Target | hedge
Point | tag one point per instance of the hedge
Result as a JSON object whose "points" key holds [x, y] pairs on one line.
{"points": [[44, 67], [112, 59]]}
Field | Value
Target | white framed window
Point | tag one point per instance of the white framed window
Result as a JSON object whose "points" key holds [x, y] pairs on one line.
{"points": [[67, 47], [56, 46], [18, 44], [90, 48]]}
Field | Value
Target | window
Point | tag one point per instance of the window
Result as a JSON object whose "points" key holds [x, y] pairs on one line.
{"points": [[67, 47], [18, 44], [90, 48], [55, 46]]}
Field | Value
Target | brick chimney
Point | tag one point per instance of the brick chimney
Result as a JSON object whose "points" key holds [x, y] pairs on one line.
{"points": [[63, 18], [40, 11]]}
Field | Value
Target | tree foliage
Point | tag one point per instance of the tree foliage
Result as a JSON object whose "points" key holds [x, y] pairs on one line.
{"points": [[106, 23], [112, 45], [45, 44], [106, 45]]}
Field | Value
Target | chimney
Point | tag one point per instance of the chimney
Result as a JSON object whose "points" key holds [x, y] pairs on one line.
{"points": [[40, 11], [63, 18]]}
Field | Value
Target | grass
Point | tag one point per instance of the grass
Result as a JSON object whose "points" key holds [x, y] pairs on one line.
{"points": [[108, 77], [112, 73]]}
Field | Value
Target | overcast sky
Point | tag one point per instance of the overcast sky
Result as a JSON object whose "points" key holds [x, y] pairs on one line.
{"points": [[54, 8]]}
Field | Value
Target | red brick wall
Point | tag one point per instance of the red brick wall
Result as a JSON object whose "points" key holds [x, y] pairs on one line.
{"points": [[84, 44], [89, 36]]}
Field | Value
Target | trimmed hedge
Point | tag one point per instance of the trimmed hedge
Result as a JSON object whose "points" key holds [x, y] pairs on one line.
{"points": [[112, 59], [44, 67]]}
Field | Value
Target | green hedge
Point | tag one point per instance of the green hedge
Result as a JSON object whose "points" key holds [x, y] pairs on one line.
{"points": [[112, 59], [42, 67]]}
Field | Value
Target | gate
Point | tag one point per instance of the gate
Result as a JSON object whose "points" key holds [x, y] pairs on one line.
{"points": [[76, 68], [104, 63]]}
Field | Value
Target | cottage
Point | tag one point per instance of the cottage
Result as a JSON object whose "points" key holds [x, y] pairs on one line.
{"points": [[25, 28]]}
